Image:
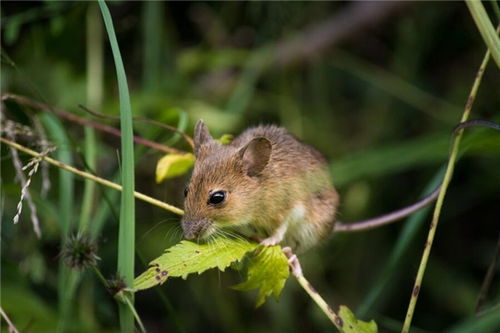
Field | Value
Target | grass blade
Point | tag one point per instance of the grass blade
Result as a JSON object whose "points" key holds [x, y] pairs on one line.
{"points": [[485, 27], [94, 100], [407, 235], [58, 135], [126, 235]]}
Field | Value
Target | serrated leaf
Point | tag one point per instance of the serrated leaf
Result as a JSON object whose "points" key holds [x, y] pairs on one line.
{"points": [[267, 271], [350, 324], [225, 139], [173, 165], [188, 257]]}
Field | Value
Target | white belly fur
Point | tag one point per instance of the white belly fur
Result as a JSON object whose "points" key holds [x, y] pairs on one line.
{"points": [[299, 233]]}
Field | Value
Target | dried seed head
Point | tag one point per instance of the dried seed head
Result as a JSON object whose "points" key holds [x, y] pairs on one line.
{"points": [[116, 284], [80, 252]]}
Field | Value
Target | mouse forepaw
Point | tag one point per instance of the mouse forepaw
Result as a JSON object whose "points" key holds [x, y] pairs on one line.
{"points": [[270, 241]]}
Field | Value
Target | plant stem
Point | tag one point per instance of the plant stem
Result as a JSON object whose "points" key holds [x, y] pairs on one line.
{"points": [[327, 310], [296, 270], [86, 122], [132, 309], [440, 199], [12, 328], [94, 178]]}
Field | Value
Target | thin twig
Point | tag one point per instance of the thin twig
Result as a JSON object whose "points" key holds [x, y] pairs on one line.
{"points": [[440, 199], [134, 312], [141, 119], [296, 270], [92, 177], [488, 279], [12, 328], [85, 122]]}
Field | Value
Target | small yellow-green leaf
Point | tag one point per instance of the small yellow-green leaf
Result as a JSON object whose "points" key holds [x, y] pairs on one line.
{"points": [[173, 165], [225, 139], [267, 271], [187, 257], [352, 325]]}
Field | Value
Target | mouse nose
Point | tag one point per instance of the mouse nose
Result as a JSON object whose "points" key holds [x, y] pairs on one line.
{"points": [[193, 228]]}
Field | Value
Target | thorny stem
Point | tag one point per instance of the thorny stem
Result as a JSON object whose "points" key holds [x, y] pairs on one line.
{"points": [[296, 270], [85, 122], [440, 199], [90, 176]]}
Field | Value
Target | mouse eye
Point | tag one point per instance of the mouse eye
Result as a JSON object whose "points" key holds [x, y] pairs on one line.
{"points": [[217, 198], [185, 191]]}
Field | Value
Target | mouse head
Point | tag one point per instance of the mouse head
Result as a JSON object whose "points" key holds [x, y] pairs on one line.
{"points": [[224, 190]]}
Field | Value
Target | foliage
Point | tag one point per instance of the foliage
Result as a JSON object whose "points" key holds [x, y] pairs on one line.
{"points": [[173, 165], [268, 272], [267, 269], [352, 325], [187, 257]]}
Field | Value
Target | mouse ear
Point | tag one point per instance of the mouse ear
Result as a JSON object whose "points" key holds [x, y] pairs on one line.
{"points": [[201, 135], [255, 155]]}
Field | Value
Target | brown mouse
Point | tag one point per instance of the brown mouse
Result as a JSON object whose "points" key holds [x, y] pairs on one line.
{"points": [[265, 185], [269, 186]]}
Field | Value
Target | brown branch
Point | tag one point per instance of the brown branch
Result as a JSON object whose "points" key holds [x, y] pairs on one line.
{"points": [[85, 122], [142, 119], [338, 27]]}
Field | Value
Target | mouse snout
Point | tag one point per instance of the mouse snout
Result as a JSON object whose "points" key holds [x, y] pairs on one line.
{"points": [[194, 228]]}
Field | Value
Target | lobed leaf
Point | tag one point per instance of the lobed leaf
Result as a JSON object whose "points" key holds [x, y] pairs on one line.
{"points": [[350, 324], [267, 271], [173, 165], [188, 257]]}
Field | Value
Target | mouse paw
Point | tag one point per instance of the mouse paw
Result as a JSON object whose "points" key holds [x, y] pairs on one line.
{"points": [[273, 240], [293, 261]]}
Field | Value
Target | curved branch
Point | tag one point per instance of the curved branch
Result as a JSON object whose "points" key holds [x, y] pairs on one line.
{"points": [[85, 122], [92, 177]]}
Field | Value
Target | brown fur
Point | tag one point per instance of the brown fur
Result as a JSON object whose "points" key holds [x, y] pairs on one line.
{"points": [[263, 190]]}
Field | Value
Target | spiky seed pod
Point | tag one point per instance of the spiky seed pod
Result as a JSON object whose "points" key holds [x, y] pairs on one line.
{"points": [[80, 252], [116, 284]]}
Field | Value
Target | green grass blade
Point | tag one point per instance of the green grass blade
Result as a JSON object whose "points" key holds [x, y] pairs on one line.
{"points": [[57, 134], [486, 28], [94, 101], [126, 235], [411, 227], [488, 322], [245, 88], [152, 18]]}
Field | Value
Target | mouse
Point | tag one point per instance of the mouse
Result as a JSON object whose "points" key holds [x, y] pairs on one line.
{"points": [[266, 185]]}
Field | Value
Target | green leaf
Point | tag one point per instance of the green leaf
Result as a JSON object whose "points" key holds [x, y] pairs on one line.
{"points": [[352, 325], [225, 139], [268, 272], [173, 165], [188, 257]]}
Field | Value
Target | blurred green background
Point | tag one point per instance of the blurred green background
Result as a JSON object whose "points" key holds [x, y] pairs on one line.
{"points": [[375, 86]]}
